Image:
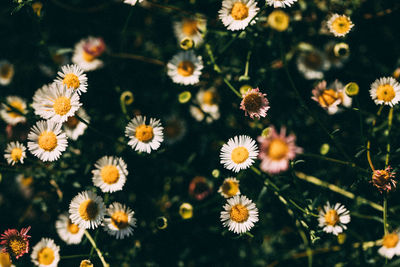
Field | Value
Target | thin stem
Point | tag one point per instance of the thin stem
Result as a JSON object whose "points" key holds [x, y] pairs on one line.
{"points": [[246, 69], [138, 58], [74, 256], [347, 163], [89, 237], [385, 208], [390, 120], [361, 119], [369, 141]]}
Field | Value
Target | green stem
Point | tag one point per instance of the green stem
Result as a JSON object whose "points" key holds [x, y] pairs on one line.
{"points": [[385, 224], [347, 163], [89, 237], [74, 256]]}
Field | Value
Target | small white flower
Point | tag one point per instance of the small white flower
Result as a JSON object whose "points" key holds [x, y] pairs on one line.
{"points": [[229, 188], [192, 28], [73, 77], [312, 64], [339, 25], [6, 72], [390, 245], [239, 153], [237, 14], [110, 174], [9, 115], [15, 152], [69, 232], [121, 221], [185, 68], [86, 53], [73, 127], [239, 214], [333, 218], [46, 253], [87, 210], [385, 91], [132, 2], [280, 3]]}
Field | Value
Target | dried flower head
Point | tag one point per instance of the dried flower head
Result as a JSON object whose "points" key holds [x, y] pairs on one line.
{"points": [[384, 179], [255, 103], [14, 242]]}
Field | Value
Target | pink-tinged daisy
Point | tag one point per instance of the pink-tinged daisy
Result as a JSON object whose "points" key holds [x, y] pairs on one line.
{"points": [[255, 103], [15, 243], [333, 218], [384, 180], [276, 150], [200, 188], [87, 52], [330, 97]]}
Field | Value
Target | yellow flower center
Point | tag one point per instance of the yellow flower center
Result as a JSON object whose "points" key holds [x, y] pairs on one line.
{"points": [[239, 213], [5, 260], [120, 219], [109, 174], [87, 57], [239, 11], [230, 188], [252, 102], [209, 97], [46, 256], [72, 122], [390, 240], [278, 20], [17, 245], [62, 105], [144, 133], [239, 154], [47, 141], [6, 71], [189, 27], [27, 181], [278, 149], [16, 154], [341, 25], [86, 263], [331, 217], [88, 210], [328, 97], [71, 80], [17, 105], [185, 68], [72, 228], [385, 92]]}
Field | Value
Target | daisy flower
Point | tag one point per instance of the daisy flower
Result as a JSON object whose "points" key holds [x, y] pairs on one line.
{"points": [[280, 3], [333, 218], [254, 103], [46, 253], [9, 115], [384, 180], [207, 100], [385, 91], [69, 232], [73, 78], [86, 263], [110, 174], [47, 141], [132, 2], [276, 150], [330, 97], [86, 53], [174, 130], [239, 214], [144, 137], [73, 127], [237, 14], [278, 20], [239, 153], [186, 210], [15, 152], [15, 243], [121, 221], [200, 187], [6, 72], [312, 64], [24, 184], [55, 102], [185, 68], [390, 245], [192, 28], [229, 188], [87, 210], [339, 25]]}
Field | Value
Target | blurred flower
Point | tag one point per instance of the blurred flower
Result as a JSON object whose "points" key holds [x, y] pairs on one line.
{"points": [[239, 153], [73, 127], [390, 245], [312, 64], [15, 243], [192, 28], [25, 184], [174, 130], [110, 174], [186, 211], [6, 72], [280, 3], [69, 232], [239, 214], [121, 221], [351, 89], [276, 150], [384, 180], [144, 137], [15, 152], [10, 116], [255, 103], [73, 77], [237, 14], [229, 188], [18, 131], [337, 53], [132, 2], [37, 8], [278, 20], [162, 222], [5, 259], [185, 68], [333, 218], [339, 25], [86, 53], [385, 91], [208, 102], [46, 253], [86, 263], [55, 103], [87, 210], [47, 141], [200, 187], [396, 73], [331, 97]]}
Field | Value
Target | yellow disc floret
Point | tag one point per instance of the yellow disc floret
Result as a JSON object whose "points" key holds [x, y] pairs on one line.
{"points": [[144, 133], [62, 105], [239, 11], [88, 210], [185, 68], [230, 188], [120, 219], [239, 213], [71, 80], [109, 174], [16, 154], [278, 149], [47, 141], [46, 256], [390, 240], [385, 92], [239, 154], [331, 217]]}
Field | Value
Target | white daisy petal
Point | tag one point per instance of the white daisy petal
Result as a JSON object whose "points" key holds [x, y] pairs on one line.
{"points": [[239, 153], [73, 78], [185, 68], [110, 174], [333, 218], [121, 221], [87, 210], [237, 14], [46, 253], [69, 232], [15, 153]]}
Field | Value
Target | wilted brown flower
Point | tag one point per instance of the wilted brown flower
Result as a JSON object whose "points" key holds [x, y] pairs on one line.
{"points": [[384, 179]]}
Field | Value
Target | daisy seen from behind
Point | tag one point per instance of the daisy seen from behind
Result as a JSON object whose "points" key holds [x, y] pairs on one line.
{"points": [[239, 214], [87, 210], [45, 253], [333, 219], [110, 174], [120, 222], [239, 153], [73, 78], [185, 68], [237, 14], [15, 153], [144, 137], [385, 91], [69, 232]]}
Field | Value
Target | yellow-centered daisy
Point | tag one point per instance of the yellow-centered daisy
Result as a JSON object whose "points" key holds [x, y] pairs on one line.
{"points": [[333, 219], [15, 153], [87, 210], [229, 188], [237, 14], [6, 72], [192, 28], [47, 141], [73, 78], [110, 174], [120, 222], [385, 91], [12, 112], [69, 232], [390, 245], [185, 68], [239, 153], [339, 25], [73, 127], [45, 253]]}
